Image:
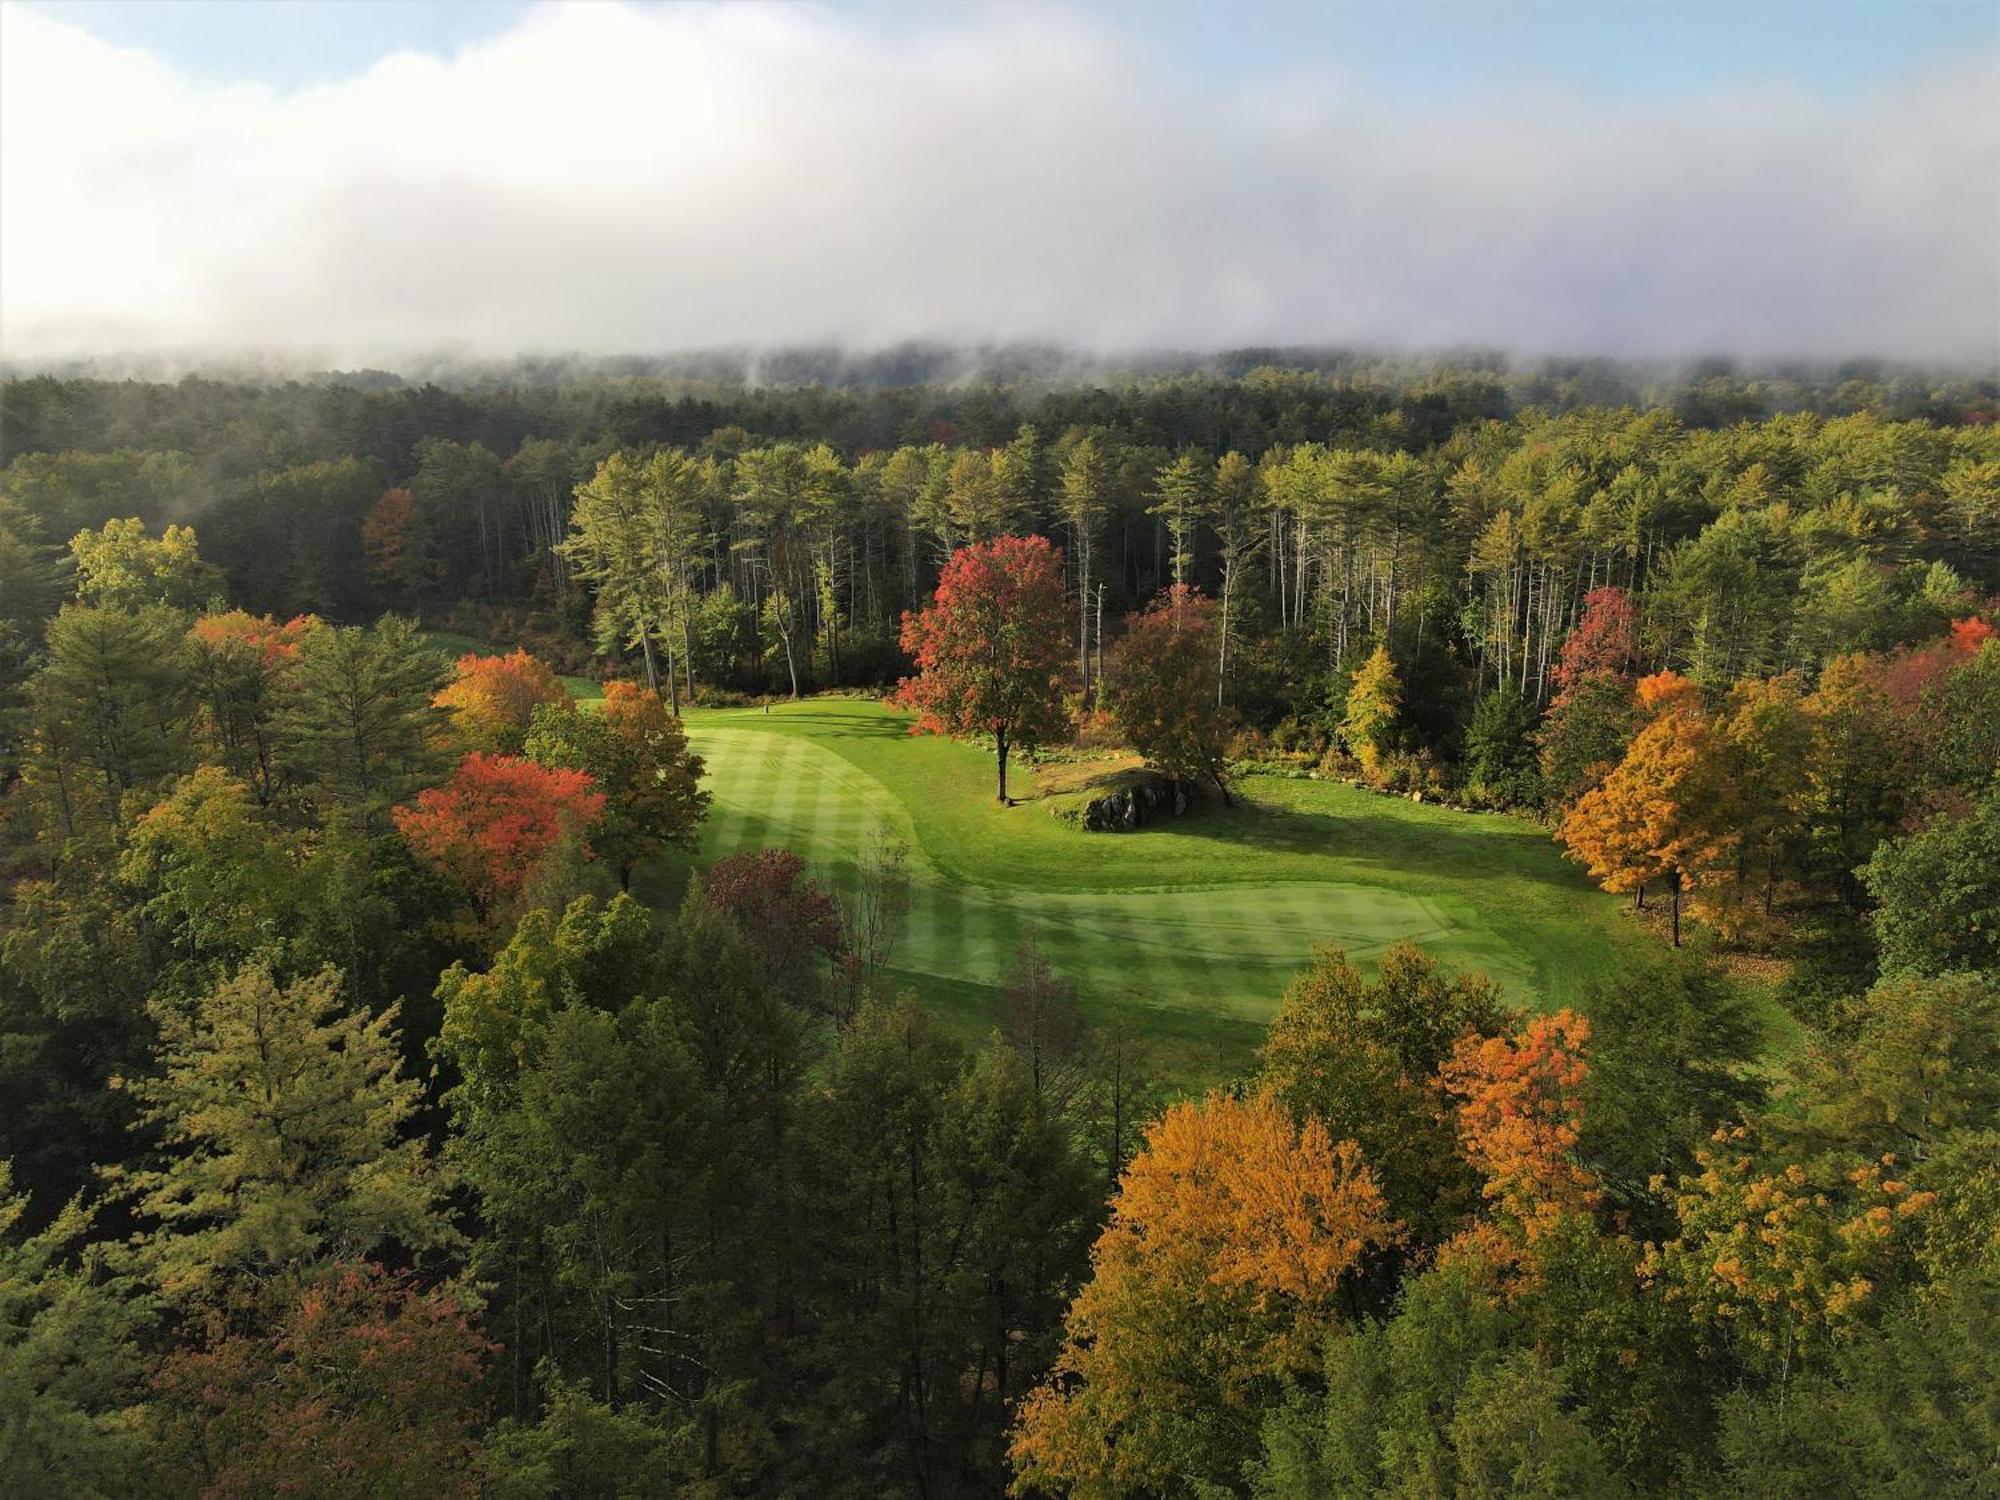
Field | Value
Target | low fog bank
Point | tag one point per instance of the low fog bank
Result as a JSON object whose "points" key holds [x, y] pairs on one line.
{"points": [[1528, 377]]}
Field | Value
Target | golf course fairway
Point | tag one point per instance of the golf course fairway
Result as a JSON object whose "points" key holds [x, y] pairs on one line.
{"points": [[1192, 926]]}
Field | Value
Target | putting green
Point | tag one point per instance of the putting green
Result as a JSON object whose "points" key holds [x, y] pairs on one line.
{"points": [[1194, 925]]}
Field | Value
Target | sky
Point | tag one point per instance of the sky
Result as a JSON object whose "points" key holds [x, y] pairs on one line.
{"points": [[346, 183]]}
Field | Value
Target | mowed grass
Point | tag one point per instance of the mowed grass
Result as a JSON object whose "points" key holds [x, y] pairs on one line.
{"points": [[1193, 926]]}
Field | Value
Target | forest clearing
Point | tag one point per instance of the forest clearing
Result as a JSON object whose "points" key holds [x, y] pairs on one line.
{"points": [[1193, 926]]}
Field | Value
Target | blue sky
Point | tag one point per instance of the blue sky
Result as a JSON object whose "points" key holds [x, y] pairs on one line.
{"points": [[1422, 47]]}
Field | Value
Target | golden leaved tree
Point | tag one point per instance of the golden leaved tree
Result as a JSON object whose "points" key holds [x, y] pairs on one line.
{"points": [[1662, 813], [1231, 1237]]}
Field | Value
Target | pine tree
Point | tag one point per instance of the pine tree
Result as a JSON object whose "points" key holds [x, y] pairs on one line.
{"points": [[284, 1119]]}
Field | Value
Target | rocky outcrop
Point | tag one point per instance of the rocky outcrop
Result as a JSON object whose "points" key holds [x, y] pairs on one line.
{"points": [[1135, 802]]}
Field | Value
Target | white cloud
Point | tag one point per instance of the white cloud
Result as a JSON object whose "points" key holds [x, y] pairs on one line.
{"points": [[609, 178]]}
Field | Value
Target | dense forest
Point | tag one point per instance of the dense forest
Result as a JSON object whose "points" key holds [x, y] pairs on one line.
{"points": [[369, 1134]]}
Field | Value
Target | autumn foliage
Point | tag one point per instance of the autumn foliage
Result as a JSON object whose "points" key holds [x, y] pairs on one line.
{"points": [[658, 790], [990, 648], [369, 1385], [492, 698], [1163, 687], [790, 921], [498, 817], [1231, 1235], [1520, 1115], [1773, 1258], [1603, 646], [1654, 818]]}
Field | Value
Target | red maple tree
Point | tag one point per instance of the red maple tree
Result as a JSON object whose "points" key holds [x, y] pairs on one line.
{"points": [[1163, 688], [493, 823], [990, 648], [784, 913], [1603, 646]]}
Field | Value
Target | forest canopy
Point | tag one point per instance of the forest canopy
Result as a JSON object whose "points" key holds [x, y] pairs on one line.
{"points": [[382, 1120]]}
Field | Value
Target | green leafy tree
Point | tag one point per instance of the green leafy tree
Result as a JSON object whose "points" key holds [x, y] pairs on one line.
{"points": [[1087, 480], [1674, 1051], [1362, 1057], [1583, 737], [1181, 493], [1500, 748], [70, 1363], [110, 710], [1906, 1412], [1937, 894], [955, 1216]]}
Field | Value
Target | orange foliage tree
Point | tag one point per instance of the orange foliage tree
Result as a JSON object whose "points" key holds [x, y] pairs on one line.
{"points": [[493, 823], [492, 698], [1520, 1116], [1655, 816], [1232, 1235]]}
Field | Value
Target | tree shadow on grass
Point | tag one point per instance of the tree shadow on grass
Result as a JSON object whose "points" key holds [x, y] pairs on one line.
{"points": [[1467, 851], [846, 722]]}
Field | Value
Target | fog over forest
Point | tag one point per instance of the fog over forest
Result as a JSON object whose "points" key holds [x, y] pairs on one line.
{"points": [[617, 179]]}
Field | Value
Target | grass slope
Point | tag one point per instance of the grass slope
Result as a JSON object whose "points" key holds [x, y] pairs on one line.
{"points": [[1195, 925]]}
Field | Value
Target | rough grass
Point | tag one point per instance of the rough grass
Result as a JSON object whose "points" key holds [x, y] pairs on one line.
{"points": [[1194, 924]]}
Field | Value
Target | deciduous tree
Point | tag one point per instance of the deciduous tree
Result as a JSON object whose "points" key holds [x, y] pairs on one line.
{"points": [[1231, 1237], [1658, 815], [638, 755], [492, 698], [498, 817], [1161, 688], [121, 567], [1374, 700], [368, 1384], [989, 648]]}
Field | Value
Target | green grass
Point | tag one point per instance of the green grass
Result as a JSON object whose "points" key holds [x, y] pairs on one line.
{"points": [[1195, 925]]}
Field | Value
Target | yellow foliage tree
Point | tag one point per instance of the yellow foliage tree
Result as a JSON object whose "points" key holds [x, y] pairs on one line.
{"points": [[1219, 1274], [1374, 699]]}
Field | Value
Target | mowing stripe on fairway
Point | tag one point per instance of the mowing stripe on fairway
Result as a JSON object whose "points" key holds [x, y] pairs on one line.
{"points": [[1221, 950]]}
